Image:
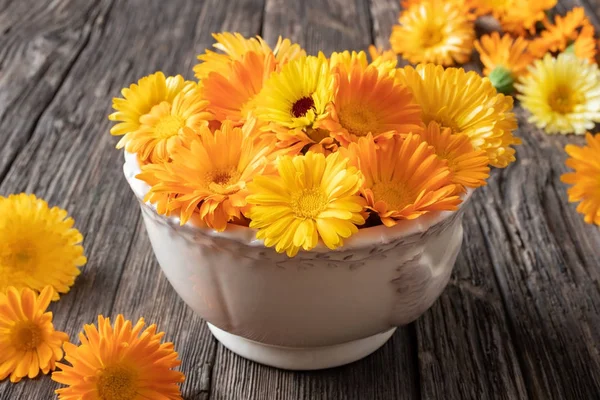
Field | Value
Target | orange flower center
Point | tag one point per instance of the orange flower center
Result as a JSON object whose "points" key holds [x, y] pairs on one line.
{"points": [[18, 256], [394, 194], [357, 119], [116, 383], [309, 203], [431, 36], [26, 336], [224, 182], [169, 126], [563, 100], [301, 107]]}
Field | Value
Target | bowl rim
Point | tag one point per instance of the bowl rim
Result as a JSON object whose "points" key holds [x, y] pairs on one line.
{"points": [[364, 238]]}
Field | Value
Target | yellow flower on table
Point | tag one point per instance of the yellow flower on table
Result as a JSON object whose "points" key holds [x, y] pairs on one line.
{"points": [[38, 245], [234, 46], [208, 175], [312, 197], [161, 129], [404, 178], [121, 362], [468, 167], [436, 31], [504, 59], [562, 94], [28, 342], [369, 102], [585, 161], [466, 103]]}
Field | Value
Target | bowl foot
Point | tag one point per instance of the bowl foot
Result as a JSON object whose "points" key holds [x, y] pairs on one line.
{"points": [[301, 358]]}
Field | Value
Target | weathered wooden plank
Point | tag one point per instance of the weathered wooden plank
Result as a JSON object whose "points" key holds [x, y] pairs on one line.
{"points": [[391, 372], [326, 26], [71, 161], [39, 42]]}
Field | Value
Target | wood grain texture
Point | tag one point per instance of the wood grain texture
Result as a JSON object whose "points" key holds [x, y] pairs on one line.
{"points": [[520, 318]]}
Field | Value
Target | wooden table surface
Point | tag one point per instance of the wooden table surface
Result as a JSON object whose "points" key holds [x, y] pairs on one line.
{"points": [[520, 318]]}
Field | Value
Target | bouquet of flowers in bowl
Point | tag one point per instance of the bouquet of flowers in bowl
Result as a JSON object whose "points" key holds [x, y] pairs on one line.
{"points": [[308, 148], [354, 168]]}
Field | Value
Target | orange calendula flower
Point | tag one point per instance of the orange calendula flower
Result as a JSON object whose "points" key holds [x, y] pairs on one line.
{"points": [[504, 59], [231, 95], [367, 102], [497, 8], [466, 103], [313, 197], [522, 16], [28, 342], [556, 37], [437, 31], [585, 161], [584, 46], [208, 176], [121, 362], [139, 98], [404, 178], [234, 46], [161, 129], [468, 167], [38, 245]]}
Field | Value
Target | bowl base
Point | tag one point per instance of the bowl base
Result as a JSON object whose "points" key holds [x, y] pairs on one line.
{"points": [[301, 358]]}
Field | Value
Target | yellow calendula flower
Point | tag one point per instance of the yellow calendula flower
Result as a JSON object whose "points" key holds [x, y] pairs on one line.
{"points": [[208, 176], [231, 95], [28, 342], [38, 245], [436, 31], [585, 161], [297, 95], [504, 59], [466, 103], [468, 167], [139, 98], [234, 46], [562, 94], [367, 102], [312, 197], [161, 129], [404, 178], [121, 362]]}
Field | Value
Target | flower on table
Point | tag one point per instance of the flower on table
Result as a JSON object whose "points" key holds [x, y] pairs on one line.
{"points": [[312, 197], [436, 31], [404, 178], [466, 103], [585, 161], [121, 362], [584, 46], [153, 112], [558, 35], [369, 102], [468, 167], [28, 341], [521, 17], [562, 94], [504, 59], [38, 245], [208, 175]]}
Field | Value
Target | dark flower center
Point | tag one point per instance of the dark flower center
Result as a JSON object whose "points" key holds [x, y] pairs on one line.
{"points": [[301, 107]]}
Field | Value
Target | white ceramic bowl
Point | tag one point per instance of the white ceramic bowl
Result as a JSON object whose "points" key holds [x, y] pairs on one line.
{"points": [[317, 310]]}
